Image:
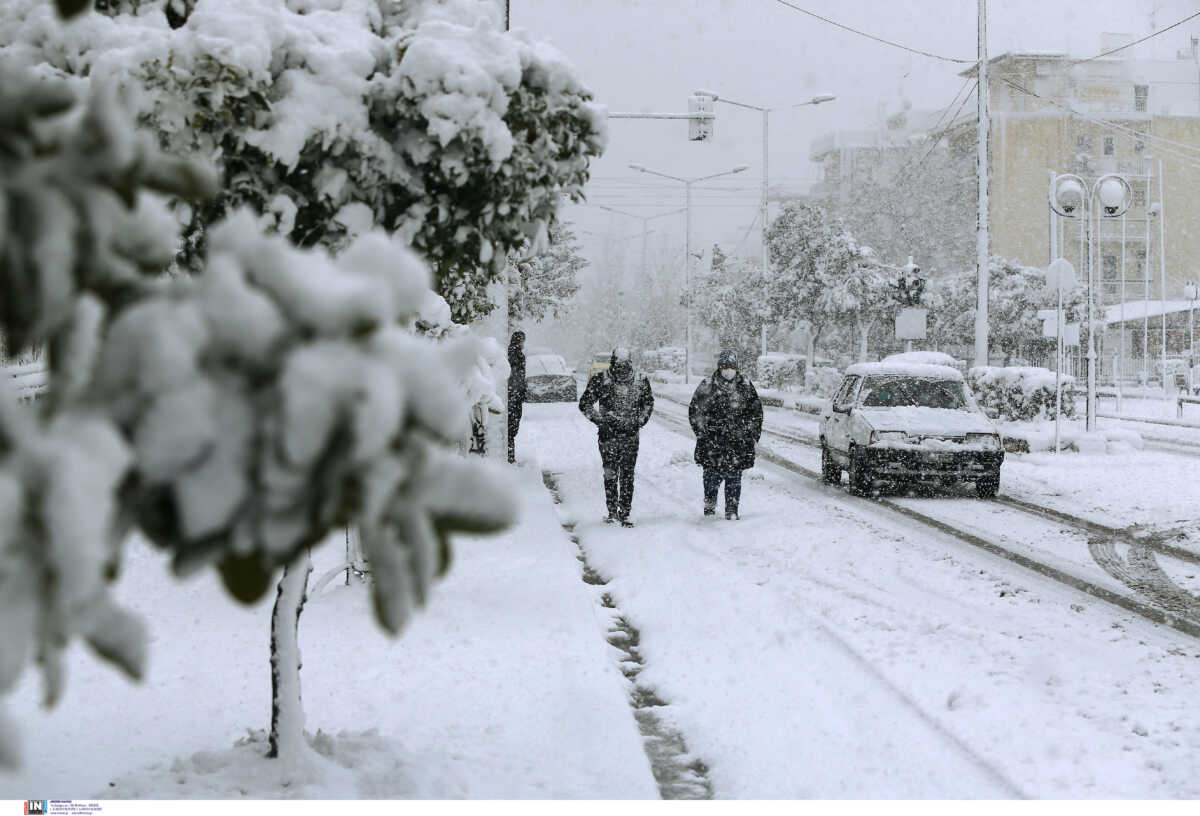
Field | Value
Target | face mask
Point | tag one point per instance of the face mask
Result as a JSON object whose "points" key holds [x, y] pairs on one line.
{"points": [[729, 373]]}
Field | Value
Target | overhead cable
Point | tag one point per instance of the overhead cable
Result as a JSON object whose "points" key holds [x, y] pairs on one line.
{"points": [[872, 36]]}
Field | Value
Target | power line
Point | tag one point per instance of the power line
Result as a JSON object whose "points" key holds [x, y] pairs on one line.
{"points": [[1162, 144], [1149, 36], [872, 36]]}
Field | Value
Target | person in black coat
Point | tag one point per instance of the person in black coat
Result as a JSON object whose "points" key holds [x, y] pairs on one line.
{"points": [[619, 402], [516, 389], [726, 416]]}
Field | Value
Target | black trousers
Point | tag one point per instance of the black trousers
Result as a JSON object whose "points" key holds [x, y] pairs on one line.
{"points": [[619, 455], [514, 425], [733, 488]]}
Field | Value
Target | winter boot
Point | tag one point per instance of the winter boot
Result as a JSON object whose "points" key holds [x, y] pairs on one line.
{"points": [[731, 515], [626, 521], [710, 509]]}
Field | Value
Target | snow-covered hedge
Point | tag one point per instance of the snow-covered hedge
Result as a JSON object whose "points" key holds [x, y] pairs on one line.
{"points": [[1019, 392], [823, 381], [666, 358], [781, 371]]}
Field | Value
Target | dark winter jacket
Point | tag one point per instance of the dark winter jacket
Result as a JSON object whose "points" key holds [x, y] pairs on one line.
{"points": [[516, 372], [726, 416], [619, 408]]}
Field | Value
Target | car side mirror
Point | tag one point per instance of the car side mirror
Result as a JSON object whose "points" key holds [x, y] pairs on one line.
{"points": [[841, 409]]}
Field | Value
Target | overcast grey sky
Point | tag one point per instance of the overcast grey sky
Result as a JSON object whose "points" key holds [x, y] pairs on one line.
{"points": [[647, 55]]}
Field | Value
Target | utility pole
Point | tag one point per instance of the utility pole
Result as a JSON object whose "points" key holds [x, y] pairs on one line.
{"points": [[1162, 267], [763, 217], [981, 259]]}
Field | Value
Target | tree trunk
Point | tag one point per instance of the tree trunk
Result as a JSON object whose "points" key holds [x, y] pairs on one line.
{"points": [[864, 330], [287, 711], [809, 382]]}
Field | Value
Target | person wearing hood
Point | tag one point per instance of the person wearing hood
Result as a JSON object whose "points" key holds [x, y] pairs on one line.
{"points": [[726, 415], [619, 402], [516, 389]]}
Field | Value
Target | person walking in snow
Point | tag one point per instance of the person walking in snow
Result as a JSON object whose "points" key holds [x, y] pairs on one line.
{"points": [[516, 389], [726, 416], [619, 402]]}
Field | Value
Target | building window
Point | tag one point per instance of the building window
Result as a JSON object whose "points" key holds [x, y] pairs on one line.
{"points": [[1083, 142], [1110, 267], [1138, 146], [1110, 145], [1139, 196], [1141, 98]]}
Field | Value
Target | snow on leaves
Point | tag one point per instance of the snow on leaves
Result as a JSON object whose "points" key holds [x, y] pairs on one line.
{"points": [[458, 136], [235, 416]]}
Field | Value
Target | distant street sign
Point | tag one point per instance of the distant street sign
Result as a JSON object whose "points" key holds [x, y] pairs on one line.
{"points": [[910, 324]]}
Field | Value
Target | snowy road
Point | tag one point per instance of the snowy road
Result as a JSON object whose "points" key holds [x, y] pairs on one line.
{"points": [[820, 648]]}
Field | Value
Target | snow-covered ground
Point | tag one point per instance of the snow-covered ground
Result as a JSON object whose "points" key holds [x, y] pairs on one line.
{"points": [[821, 647], [504, 687]]}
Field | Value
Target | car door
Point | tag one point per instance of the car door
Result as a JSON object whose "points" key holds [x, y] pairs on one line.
{"points": [[837, 432]]}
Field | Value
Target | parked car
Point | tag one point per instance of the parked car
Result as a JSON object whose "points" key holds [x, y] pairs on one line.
{"points": [[598, 363], [904, 422], [547, 379]]}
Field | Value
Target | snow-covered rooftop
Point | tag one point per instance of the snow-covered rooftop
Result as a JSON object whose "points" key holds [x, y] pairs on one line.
{"points": [[1139, 309]]}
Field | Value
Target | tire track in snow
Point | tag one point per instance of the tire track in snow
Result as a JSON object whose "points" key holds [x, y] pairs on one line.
{"points": [[679, 774], [866, 666], [1166, 598]]}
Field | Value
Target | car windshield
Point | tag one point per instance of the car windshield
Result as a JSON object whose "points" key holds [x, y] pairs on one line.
{"points": [[545, 364], [926, 392]]}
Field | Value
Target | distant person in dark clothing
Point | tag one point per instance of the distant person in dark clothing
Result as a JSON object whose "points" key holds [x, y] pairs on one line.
{"points": [[619, 402], [726, 416], [516, 389]]}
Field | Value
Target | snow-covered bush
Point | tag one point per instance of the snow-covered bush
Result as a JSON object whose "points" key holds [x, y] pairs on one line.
{"points": [[235, 417], [1019, 392], [780, 371], [822, 381]]}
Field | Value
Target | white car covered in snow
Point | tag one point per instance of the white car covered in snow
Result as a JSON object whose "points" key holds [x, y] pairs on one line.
{"points": [[898, 421]]}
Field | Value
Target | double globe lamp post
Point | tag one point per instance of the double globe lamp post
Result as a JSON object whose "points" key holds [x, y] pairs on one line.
{"points": [[1071, 197]]}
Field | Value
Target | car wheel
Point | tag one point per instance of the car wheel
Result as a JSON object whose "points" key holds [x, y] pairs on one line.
{"points": [[860, 474], [831, 471], [988, 486]]}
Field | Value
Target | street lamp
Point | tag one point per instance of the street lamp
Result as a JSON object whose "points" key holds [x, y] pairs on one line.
{"points": [[687, 248], [816, 100], [645, 219], [1070, 197]]}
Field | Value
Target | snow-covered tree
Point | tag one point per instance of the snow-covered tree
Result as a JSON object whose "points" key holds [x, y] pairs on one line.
{"points": [[858, 288], [421, 117], [234, 417], [728, 300], [545, 284], [796, 240], [1015, 294]]}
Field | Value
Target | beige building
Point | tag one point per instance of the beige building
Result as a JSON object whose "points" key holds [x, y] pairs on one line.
{"points": [[1137, 117], [1050, 113]]}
